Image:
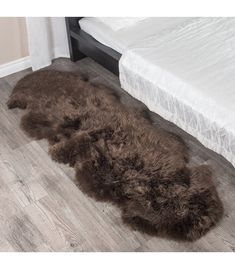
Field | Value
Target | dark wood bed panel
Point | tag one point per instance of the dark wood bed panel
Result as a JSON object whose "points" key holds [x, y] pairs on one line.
{"points": [[82, 44]]}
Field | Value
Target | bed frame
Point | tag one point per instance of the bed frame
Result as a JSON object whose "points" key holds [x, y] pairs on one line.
{"points": [[82, 44]]}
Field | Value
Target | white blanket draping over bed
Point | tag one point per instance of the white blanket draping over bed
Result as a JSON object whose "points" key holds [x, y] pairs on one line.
{"points": [[186, 74]]}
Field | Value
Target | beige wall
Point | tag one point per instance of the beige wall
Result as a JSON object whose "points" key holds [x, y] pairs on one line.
{"points": [[13, 39]]}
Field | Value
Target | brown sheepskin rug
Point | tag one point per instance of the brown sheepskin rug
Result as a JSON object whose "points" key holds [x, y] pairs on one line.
{"points": [[118, 154]]}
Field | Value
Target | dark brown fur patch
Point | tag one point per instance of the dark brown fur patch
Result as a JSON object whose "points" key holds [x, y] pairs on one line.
{"points": [[118, 154]]}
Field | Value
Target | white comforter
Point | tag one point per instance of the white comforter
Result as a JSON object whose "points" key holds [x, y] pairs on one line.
{"points": [[187, 75]]}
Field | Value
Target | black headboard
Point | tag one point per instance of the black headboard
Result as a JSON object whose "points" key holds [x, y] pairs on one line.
{"points": [[82, 44]]}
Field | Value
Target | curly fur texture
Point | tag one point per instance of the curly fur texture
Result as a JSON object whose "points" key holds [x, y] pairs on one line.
{"points": [[118, 154]]}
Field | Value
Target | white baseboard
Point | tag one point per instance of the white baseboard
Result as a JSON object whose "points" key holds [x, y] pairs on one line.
{"points": [[14, 66]]}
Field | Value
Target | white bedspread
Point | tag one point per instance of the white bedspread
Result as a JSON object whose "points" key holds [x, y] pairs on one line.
{"points": [[124, 38], [118, 23], [186, 74]]}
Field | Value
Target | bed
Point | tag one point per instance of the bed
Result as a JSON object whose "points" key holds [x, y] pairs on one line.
{"points": [[181, 68]]}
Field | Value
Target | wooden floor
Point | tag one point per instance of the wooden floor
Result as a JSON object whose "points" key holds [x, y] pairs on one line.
{"points": [[42, 209]]}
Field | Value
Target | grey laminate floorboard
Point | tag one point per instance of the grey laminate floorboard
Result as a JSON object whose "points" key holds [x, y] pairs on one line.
{"points": [[42, 209]]}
